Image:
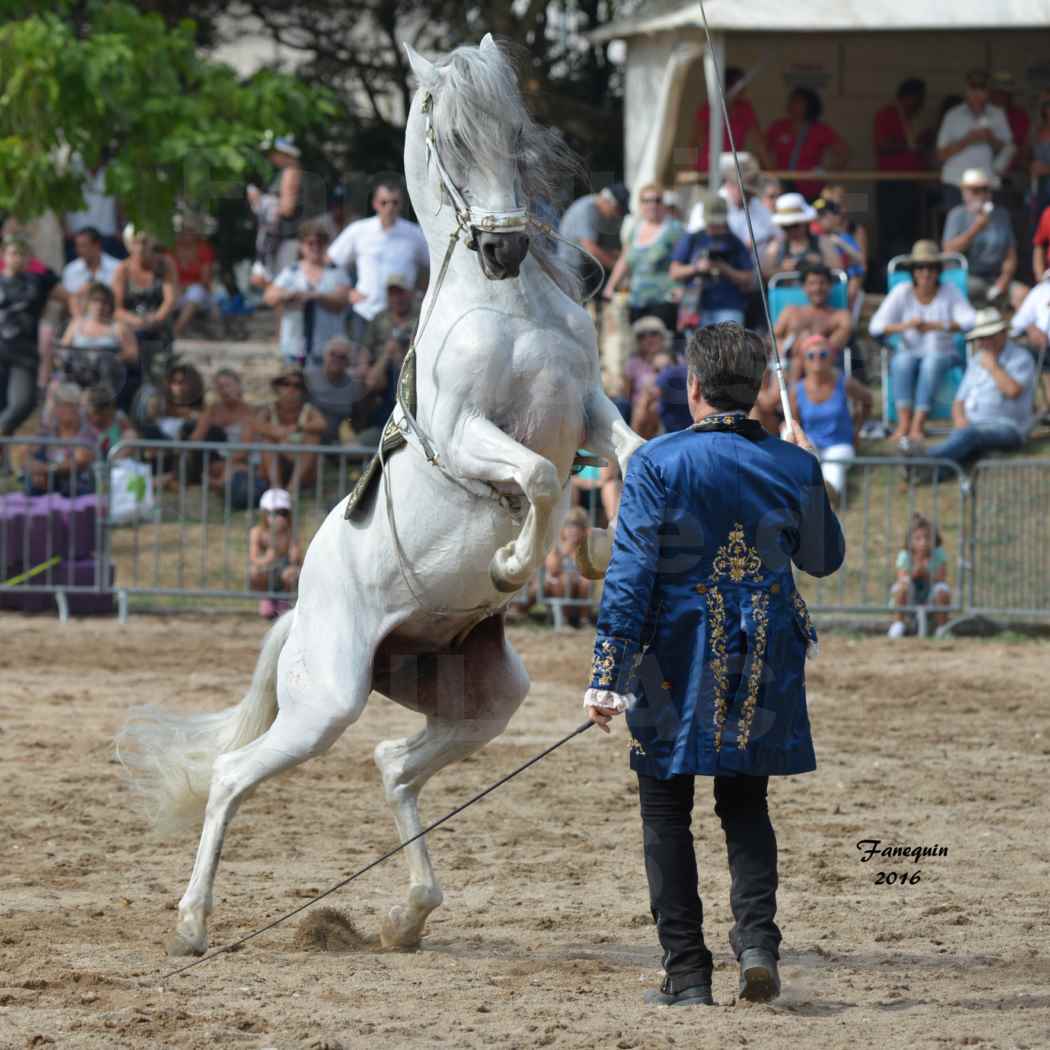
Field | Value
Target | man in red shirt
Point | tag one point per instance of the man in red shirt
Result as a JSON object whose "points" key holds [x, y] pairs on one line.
{"points": [[899, 146], [195, 264], [743, 121], [1040, 243], [801, 141]]}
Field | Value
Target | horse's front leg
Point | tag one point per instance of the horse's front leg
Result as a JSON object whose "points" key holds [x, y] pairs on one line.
{"points": [[609, 436], [484, 452]]}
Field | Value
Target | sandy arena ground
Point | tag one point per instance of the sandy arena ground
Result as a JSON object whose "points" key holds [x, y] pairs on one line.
{"points": [[545, 937]]}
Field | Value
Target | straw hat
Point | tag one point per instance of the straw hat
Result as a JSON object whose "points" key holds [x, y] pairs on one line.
{"points": [[649, 323], [978, 178], [924, 251], [988, 322], [792, 209]]}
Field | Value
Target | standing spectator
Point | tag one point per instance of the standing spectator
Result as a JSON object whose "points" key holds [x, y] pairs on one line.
{"points": [[1002, 87], [290, 420], [278, 210], [799, 246], [23, 298], [801, 141], [717, 269], [817, 317], [1039, 169], [922, 574], [899, 146], [1032, 323], [91, 266], [821, 403], [992, 410], [379, 246], [982, 231], [972, 135], [100, 212], [743, 122], [64, 468], [145, 288], [195, 267], [646, 258], [766, 231], [338, 385], [313, 295], [593, 222], [924, 314], [397, 322]]}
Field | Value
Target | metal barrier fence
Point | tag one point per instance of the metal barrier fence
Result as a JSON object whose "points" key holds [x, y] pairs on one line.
{"points": [[188, 539]]}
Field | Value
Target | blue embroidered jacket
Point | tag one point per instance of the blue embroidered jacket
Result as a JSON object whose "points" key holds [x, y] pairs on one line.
{"points": [[700, 617]]}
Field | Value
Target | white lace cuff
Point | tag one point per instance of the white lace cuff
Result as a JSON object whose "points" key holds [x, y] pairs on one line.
{"points": [[607, 700]]}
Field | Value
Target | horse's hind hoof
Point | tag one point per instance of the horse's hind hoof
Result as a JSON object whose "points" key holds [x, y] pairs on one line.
{"points": [[179, 947]]}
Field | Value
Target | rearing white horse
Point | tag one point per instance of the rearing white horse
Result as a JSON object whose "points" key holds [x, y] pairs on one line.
{"points": [[407, 597]]}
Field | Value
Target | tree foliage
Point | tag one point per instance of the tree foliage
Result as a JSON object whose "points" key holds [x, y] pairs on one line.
{"points": [[108, 82]]}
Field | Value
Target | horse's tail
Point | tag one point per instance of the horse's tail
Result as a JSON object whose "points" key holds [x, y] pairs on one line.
{"points": [[168, 758]]}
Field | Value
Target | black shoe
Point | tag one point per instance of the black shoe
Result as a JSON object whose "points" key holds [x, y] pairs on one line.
{"points": [[696, 995], [759, 979]]}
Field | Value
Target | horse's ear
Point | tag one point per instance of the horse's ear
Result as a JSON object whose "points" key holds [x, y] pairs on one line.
{"points": [[488, 44], [425, 71]]}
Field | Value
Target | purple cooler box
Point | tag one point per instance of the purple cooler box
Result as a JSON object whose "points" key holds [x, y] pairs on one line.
{"points": [[79, 573], [35, 528]]}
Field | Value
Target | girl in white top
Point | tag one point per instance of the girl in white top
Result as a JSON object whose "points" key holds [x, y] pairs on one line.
{"points": [[924, 314]]}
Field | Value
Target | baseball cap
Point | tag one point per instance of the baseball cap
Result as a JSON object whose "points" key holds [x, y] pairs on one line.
{"points": [[275, 499]]}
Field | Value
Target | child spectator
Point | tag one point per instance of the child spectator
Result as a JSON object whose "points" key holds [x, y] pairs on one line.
{"points": [[922, 573], [274, 552], [63, 468], [562, 578], [108, 424]]}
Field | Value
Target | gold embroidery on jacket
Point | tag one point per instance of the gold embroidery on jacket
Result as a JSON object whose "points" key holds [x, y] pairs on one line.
{"points": [[602, 668], [760, 613], [636, 747], [736, 559], [716, 611], [803, 614]]}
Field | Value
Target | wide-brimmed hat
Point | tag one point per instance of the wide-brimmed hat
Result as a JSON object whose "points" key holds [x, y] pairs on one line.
{"points": [[749, 169], [792, 209], [289, 372], [650, 323], [924, 251], [974, 178], [987, 322], [275, 499]]}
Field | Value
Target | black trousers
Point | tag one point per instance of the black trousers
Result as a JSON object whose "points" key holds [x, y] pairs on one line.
{"points": [[670, 865]]}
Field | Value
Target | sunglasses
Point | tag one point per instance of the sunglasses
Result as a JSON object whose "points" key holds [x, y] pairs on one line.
{"points": [[817, 355], [924, 266]]}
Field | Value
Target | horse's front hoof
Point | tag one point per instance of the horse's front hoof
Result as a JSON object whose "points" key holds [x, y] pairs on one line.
{"points": [[594, 554], [179, 947], [396, 935], [503, 576]]}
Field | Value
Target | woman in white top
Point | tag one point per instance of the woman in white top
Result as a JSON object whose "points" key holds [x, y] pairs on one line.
{"points": [[924, 313], [314, 296]]}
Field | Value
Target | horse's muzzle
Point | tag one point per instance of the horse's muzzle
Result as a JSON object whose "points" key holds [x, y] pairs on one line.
{"points": [[501, 254]]}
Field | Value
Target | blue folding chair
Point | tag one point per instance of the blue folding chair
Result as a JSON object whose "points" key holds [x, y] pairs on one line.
{"points": [[941, 410], [785, 289]]}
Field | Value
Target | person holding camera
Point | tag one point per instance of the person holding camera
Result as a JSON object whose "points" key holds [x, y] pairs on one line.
{"points": [[716, 268], [981, 230]]}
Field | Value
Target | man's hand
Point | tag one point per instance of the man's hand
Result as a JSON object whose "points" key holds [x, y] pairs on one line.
{"points": [[602, 705], [797, 436]]}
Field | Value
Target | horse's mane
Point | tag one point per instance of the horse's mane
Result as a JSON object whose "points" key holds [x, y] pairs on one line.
{"points": [[480, 120]]}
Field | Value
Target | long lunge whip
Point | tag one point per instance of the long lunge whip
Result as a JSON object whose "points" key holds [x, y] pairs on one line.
{"points": [[778, 365], [386, 856]]}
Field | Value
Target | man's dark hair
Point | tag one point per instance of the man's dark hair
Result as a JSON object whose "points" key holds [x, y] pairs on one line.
{"points": [[729, 363], [815, 268], [814, 107], [390, 183], [913, 87], [734, 74], [978, 79], [90, 232]]}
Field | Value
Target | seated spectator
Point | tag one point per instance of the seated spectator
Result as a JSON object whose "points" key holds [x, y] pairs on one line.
{"points": [[371, 413], [922, 574], [832, 223], [1039, 168], [24, 296], [314, 296], [639, 372], [396, 322], [645, 259], [1040, 242], [290, 420], [601, 483], [1031, 324], [817, 317], [593, 222], [108, 424], [339, 384], [743, 122], [672, 385], [91, 266], [173, 415], [769, 189], [274, 553], [924, 314], [982, 231], [992, 410], [66, 469], [717, 270], [798, 247], [231, 419], [195, 266], [97, 348], [821, 402], [801, 141], [562, 578]]}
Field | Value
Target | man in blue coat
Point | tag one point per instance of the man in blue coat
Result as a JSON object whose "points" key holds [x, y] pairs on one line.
{"points": [[702, 640]]}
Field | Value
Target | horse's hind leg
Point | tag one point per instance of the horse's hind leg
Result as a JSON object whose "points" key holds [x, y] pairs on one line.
{"points": [[310, 719], [474, 698]]}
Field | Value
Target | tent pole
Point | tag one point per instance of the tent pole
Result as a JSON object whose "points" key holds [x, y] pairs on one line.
{"points": [[714, 60]]}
